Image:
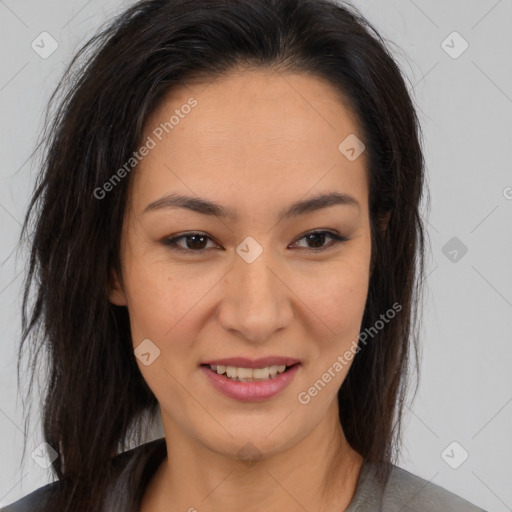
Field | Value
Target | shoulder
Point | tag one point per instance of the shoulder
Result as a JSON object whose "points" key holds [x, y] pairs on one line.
{"points": [[416, 494], [406, 492], [137, 464], [33, 501]]}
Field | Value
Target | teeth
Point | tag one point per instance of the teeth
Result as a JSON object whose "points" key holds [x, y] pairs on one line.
{"points": [[231, 372], [248, 374]]}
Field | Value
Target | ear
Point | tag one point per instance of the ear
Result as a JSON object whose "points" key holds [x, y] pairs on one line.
{"points": [[116, 293]]}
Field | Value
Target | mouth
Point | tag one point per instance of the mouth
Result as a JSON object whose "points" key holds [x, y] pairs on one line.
{"points": [[244, 374], [250, 384]]}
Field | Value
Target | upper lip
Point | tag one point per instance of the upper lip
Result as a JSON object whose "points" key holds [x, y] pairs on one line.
{"points": [[263, 362]]}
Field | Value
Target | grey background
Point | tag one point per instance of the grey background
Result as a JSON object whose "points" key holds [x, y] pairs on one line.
{"points": [[465, 107]]}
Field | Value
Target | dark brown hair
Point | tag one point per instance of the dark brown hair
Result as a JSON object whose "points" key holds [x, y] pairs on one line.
{"points": [[95, 399]]}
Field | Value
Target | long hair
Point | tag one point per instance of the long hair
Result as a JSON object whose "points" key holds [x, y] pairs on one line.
{"points": [[95, 397]]}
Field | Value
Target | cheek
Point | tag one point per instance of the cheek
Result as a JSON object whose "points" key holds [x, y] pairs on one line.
{"points": [[168, 303], [339, 303], [340, 306], [151, 298], [337, 294]]}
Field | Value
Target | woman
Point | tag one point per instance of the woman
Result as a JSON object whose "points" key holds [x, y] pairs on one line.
{"points": [[227, 230]]}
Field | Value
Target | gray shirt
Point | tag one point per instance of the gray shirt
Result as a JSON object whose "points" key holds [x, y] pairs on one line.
{"points": [[404, 492]]}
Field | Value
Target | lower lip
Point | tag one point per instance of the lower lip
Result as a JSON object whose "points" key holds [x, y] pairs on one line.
{"points": [[250, 391]]}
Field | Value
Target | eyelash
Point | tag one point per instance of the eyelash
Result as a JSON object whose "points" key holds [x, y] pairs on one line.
{"points": [[172, 242]]}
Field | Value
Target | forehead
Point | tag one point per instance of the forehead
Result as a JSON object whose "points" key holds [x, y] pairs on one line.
{"points": [[247, 133]]}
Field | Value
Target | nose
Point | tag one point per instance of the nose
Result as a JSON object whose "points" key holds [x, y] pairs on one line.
{"points": [[256, 300]]}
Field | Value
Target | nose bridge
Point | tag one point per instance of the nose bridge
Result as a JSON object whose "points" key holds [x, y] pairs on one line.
{"points": [[255, 302]]}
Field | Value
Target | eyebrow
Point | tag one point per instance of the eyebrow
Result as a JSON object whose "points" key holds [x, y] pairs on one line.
{"points": [[206, 207]]}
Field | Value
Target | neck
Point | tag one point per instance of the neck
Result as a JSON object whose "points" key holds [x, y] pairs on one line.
{"points": [[318, 473]]}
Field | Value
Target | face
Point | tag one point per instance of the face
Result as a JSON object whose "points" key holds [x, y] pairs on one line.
{"points": [[202, 286]]}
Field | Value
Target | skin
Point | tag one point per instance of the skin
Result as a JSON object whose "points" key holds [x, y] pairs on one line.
{"points": [[257, 141]]}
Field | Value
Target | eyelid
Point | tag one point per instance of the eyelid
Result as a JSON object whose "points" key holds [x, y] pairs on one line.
{"points": [[335, 236]]}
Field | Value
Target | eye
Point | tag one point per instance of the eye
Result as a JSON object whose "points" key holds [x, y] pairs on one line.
{"points": [[318, 237], [195, 242]]}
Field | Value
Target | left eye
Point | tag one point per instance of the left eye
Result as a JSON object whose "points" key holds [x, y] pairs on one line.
{"points": [[197, 241], [317, 237]]}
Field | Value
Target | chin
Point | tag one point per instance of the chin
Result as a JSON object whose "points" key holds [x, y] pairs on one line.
{"points": [[252, 443]]}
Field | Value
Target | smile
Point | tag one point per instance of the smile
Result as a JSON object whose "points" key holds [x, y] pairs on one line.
{"points": [[250, 384], [249, 374]]}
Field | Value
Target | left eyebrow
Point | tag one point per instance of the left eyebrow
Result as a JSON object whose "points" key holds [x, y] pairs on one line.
{"points": [[207, 207], [319, 202]]}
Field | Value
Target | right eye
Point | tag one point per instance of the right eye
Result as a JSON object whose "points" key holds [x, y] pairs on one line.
{"points": [[197, 242]]}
